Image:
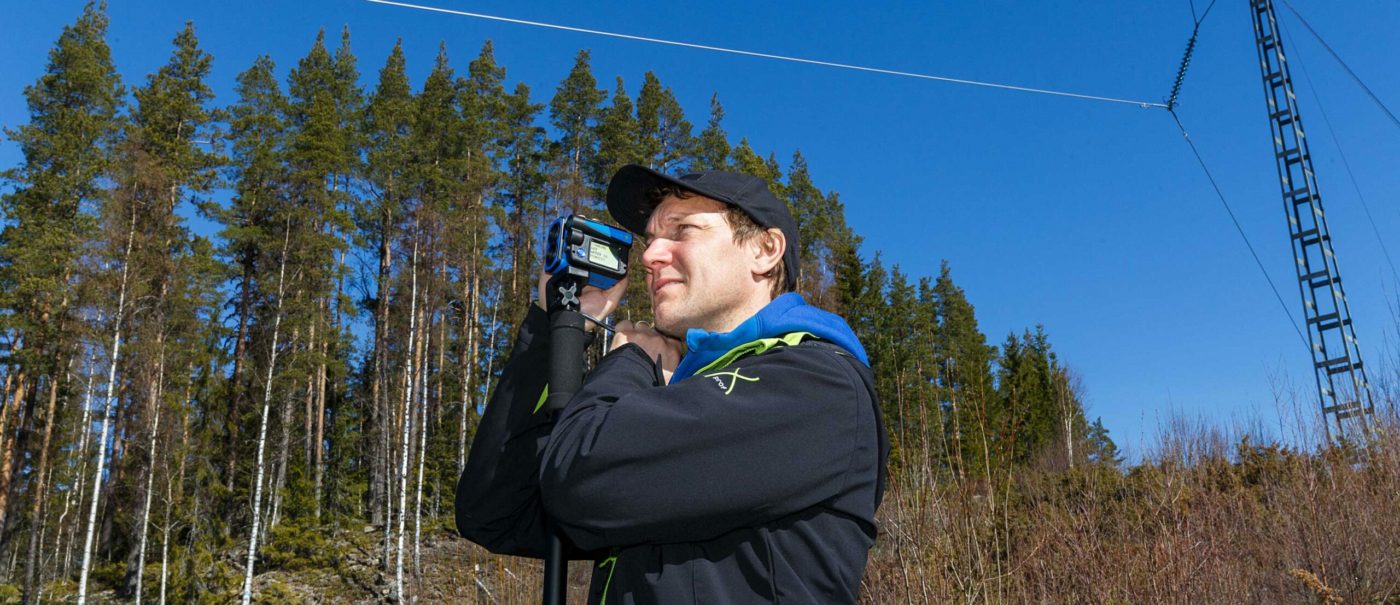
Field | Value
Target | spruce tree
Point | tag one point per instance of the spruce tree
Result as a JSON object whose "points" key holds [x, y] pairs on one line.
{"points": [[807, 204], [712, 146], [964, 375]]}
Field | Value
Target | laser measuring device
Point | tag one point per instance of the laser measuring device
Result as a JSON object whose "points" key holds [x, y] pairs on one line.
{"points": [[587, 249]]}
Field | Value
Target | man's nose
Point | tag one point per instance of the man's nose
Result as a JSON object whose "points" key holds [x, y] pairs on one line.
{"points": [[657, 253]]}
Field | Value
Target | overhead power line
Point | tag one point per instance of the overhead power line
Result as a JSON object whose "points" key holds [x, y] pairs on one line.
{"points": [[747, 53]]}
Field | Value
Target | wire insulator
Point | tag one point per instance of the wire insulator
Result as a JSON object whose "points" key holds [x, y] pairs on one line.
{"points": [[1181, 71]]}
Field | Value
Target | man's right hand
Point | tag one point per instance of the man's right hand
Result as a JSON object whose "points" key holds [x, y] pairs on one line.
{"points": [[593, 302]]}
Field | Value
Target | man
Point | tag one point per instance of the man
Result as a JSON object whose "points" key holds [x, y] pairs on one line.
{"points": [[731, 452]]}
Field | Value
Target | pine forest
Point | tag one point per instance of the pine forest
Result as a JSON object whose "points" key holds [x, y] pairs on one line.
{"points": [[245, 342]]}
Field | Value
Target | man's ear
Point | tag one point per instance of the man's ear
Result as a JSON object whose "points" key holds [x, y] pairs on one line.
{"points": [[767, 250]]}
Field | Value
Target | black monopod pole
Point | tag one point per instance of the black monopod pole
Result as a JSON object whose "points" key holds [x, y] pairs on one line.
{"points": [[568, 339]]}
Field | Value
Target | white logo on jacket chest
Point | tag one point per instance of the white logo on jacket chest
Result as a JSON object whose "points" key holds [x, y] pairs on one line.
{"points": [[734, 378]]}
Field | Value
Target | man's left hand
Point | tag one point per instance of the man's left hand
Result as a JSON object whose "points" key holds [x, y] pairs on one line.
{"points": [[656, 344]]}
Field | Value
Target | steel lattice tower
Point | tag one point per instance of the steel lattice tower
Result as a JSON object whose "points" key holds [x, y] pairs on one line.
{"points": [[1341, 378]]}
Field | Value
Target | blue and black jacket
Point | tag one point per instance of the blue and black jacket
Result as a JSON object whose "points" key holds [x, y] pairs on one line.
{"points": [[753, 477]]}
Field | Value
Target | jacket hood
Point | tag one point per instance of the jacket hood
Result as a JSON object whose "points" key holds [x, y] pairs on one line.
{"points": [[785, 314]]}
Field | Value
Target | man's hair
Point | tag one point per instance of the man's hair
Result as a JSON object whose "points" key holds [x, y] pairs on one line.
{"points": [[745, 229]]}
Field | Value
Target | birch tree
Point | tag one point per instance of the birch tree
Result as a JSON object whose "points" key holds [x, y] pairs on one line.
{"points": [[100, 462], [267, 404]]}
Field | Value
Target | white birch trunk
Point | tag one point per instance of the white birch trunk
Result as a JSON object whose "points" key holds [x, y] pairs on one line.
{"points": [[469, 324], [407, 419], [262, 431], [67, 550], [106, 416], [150, 479], [170, 486], [422, 455]]}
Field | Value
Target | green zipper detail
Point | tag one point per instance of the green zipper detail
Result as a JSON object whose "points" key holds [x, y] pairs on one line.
{"points": [[612, 563], [754, 348], [543, 396]]}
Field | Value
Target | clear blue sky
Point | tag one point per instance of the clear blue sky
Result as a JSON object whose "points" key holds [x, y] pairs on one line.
{"points": [[1091, 219]]}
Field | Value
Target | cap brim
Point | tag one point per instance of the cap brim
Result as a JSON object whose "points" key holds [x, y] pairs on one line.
{"points": [[627, 193]]}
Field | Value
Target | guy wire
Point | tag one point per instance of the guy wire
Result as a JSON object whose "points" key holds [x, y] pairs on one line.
{"points": [[891, 72], [1341, 62], [1240, 229], [1394, 275]]}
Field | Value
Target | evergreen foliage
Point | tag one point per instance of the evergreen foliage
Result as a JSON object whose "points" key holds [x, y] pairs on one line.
{"points": [[373, 253]]}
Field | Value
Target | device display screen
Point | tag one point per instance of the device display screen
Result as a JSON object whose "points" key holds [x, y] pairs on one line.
{"points": [[603, 256]]}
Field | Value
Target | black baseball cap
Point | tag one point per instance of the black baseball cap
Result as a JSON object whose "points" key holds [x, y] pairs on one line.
{"points": [[627, 202]]}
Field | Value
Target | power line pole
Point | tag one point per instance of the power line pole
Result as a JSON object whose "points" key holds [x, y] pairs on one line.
{"points": [[1341, 379]]}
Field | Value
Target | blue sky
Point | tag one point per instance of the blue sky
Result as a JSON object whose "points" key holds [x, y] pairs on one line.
{"points": [[1089, 218]]}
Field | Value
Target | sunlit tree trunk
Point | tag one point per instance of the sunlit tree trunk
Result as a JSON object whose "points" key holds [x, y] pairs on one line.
{"points": [[170, 483], [422, 446], [262, 430], [100, 461], [319, 446], [10, 421], [81, 477], [38, 495], [150, 479], [284, 443], [408, 384]]}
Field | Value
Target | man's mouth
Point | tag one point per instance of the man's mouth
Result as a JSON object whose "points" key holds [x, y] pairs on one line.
{"points": [[657, 285]]}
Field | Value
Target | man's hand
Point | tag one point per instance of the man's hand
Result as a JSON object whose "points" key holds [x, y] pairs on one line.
{"points": [[593, 302], [654, 343]]}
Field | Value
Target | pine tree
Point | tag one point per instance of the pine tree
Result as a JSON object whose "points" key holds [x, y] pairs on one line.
{"points": [[323, 155], [574, 113], [663, 134], [619, 145], [163, 165], [617, 140], [747, 161], [389, 121], [257, 133], [67, 147], [522, 195]]}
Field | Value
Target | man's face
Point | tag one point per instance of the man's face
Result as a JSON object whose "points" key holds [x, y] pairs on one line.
{"points": [[697, 275]]}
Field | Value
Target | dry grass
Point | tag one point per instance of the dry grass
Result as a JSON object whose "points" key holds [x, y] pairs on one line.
{"points": [[1207, 520]]}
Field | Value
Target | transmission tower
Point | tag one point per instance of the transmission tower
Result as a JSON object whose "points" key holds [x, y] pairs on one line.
{"points": [[1341, 378]]}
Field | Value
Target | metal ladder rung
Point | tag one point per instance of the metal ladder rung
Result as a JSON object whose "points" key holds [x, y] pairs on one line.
{"points": [[1301, 195], [1338, 365], [1359, 411], [1321, 318], [1324, 282], [1310, 237]]}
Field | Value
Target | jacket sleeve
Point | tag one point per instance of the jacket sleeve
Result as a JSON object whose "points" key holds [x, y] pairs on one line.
{"points": [[630, 462], [498, 497]]}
